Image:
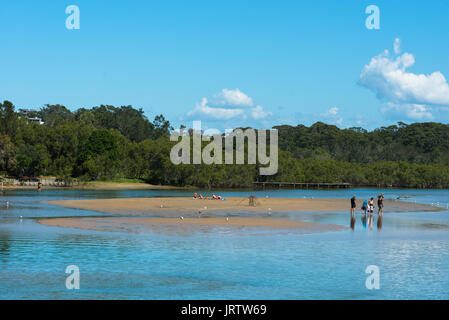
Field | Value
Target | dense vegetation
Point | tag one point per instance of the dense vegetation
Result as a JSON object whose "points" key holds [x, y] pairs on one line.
{"points": [[106, 142]]}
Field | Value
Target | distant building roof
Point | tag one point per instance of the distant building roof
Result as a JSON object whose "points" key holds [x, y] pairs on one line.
{"points": [[36, 119]]}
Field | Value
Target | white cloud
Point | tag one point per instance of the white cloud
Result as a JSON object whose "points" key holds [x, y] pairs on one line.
{"points": [[405, 93], [258, 113], [232, 98], [203, 109], [417, 112], [333, 111], [331, 116], [228, 104], [391, 82]]}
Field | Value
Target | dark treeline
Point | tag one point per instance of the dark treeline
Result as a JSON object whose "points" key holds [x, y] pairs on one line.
{"points": [[420, 143], [106, 142]]}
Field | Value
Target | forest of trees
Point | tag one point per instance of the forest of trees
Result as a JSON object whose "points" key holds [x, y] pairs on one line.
{"points": [[106, 142]]}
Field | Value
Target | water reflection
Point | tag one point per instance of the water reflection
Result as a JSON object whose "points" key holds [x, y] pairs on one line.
{"points": [[352, 224], [379, 222], [370, 221], [364, 221], [4, 243], [367, 221]]}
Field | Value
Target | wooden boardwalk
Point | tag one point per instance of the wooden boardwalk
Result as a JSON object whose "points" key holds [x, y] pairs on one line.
{"points": [[296, 185]]}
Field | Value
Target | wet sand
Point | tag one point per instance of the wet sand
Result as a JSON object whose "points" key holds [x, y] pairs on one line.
{"points": [[142, 206], [138, 225]]}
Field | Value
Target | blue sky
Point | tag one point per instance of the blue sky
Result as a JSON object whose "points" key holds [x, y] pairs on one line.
{"points": [[232, 63]]}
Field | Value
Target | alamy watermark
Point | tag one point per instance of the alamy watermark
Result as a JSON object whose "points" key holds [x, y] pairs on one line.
{"points": [[73, 280], [212, 153], [373, 20], [73, 20], [373, 280]]}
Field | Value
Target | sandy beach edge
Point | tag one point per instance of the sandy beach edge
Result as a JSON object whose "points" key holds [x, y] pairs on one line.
{"points": [[105, 186]]}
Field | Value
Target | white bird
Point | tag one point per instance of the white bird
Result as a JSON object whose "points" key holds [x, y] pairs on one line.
{"points": [[162, 206], [227, 219], [7, 204], [205, 208], [181, 217]]}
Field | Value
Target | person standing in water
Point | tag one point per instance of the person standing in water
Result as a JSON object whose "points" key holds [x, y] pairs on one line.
{"points": [[365, 206], [353, 206], [371, 206], [380, 204]]}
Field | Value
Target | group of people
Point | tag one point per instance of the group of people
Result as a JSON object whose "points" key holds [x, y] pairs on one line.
{"points": [[213, 197], [368, 212], [368, 205]]}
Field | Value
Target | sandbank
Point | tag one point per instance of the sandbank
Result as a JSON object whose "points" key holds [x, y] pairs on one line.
{"points": [[143, 206]]}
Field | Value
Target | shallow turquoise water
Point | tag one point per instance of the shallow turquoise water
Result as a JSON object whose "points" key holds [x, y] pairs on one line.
{"points": [[411, 250]]}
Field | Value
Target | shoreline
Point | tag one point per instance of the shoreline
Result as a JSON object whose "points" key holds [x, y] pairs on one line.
{"points": [[100, 185], [96, 186]]}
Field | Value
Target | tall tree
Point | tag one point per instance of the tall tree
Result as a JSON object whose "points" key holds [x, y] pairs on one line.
{"points": [[54, 115], [8, 119], [162, 127], [7, 154]]}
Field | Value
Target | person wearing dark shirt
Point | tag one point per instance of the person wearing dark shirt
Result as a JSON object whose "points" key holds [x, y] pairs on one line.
{"points": [[353, 206], [380, 204]]}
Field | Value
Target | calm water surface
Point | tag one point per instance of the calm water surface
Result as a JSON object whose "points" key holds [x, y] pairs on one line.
{"points": [[411, 250]]}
